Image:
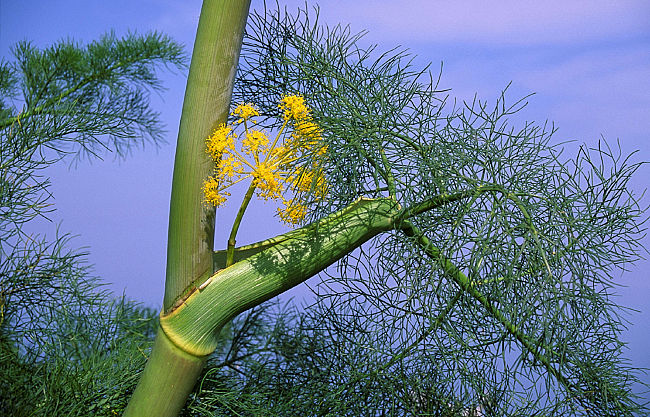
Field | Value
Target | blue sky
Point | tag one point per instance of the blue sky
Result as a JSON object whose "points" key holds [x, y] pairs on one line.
{"points": [[587, 61]]}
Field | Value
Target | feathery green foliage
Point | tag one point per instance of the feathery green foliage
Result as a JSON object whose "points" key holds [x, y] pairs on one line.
{"points": [[67, 347], [498, 281], [493, 291]]}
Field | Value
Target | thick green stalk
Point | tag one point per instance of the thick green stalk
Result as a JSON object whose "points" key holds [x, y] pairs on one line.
{"points": [[271, 268], [169, 370], [206, 105], [171, 373]]}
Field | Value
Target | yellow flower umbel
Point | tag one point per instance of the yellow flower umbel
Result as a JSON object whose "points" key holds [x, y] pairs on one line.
{"points": [[245, 112], [287, 169]]}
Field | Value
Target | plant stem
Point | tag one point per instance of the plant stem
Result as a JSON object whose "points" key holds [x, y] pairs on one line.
{"points": [[537, 349], [170, 375], [206, 105], [171, 372], [235, 226], [280, 264]]}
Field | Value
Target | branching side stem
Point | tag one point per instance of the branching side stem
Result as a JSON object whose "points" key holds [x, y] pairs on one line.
{"points": [[467, 286]]}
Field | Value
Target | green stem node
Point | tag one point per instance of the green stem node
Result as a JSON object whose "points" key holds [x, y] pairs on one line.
{"points": [[273, 267]]}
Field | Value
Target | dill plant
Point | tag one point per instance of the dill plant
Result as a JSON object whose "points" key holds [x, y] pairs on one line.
{"points": [[473, 264]]}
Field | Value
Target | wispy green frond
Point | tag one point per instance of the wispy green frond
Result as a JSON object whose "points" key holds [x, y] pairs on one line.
{"points": [[538, 238], [84, 100], [67, 346]]}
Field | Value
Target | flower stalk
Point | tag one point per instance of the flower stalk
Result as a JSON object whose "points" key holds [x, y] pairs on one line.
{"points": [[235, 227]]}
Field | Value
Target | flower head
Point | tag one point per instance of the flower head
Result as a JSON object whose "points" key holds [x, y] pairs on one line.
{"points": [[294, 108], [245, 112], [220, 140], [288, 169], [255, 142], [293, 212], [213, 193], [268, 181], [229, 168]]}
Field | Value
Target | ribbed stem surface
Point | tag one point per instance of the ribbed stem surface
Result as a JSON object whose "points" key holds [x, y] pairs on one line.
{"points": [[206, 105], [166, 382], [281, 264], [170, 373]]}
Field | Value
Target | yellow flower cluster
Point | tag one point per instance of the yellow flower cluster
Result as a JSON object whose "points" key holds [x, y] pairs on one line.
{"points": [[245, 112], [289, 166], [294, 108]]}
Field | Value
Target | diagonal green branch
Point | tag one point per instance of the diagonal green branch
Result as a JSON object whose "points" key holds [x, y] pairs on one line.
{"points": [[445, 198], [466, 285], [283, 263]]}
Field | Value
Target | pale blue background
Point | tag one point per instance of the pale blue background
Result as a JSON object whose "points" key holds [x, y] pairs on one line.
{"points": [[588, 62]]}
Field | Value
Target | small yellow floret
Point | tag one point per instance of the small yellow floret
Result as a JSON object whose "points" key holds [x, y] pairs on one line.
{"points": [[268, 180], [245, 111], [293, 212], [309, 181], [229, 167], [220, 140], [294, 108], [255, 142], [212, 194], [308, 129]]}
